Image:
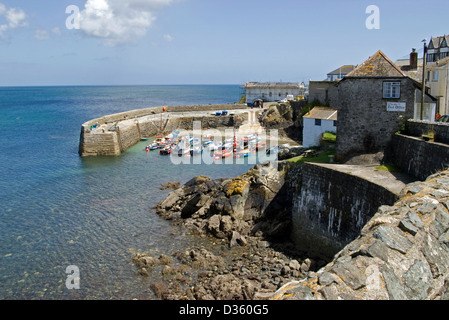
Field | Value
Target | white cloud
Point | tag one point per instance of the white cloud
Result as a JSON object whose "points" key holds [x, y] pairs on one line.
{"points": [[11, 18], [41, 34], [168, 37], [119, 21]]}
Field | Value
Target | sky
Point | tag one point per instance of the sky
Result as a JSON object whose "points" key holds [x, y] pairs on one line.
{"points": [[145, 42]]}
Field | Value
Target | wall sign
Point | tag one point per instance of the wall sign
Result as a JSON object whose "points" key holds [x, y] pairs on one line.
{"points": [[396, 106]]}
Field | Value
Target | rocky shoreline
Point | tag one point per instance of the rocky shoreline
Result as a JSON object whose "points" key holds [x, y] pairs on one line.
{"points": [[247, 220]]}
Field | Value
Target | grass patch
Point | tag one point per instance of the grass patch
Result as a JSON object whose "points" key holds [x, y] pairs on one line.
{"points": [[388, 167], [322, 157], [329, 137]]}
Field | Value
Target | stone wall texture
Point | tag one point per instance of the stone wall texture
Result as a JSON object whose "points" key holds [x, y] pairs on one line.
{"points": [[117, 132], [417, 128], [402, 253], [364, 124], [417, 157], [331, 207]]}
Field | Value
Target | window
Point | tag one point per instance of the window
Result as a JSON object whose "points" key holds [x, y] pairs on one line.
{"points": [[392, 90], [435, 75], [318, 122], [335, 123]]}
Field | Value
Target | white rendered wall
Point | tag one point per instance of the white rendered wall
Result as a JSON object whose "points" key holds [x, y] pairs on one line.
{"points": [[312, 133]]}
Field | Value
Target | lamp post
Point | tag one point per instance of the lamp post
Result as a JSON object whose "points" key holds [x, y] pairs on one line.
{"points": [[423, 89]]}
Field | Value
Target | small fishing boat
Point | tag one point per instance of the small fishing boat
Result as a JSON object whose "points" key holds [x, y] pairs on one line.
{"points": [[214, 146], [224, 153], [260, 146], [165, 151], [144, 139], [153, 146], [243, 153], [196, 150]]}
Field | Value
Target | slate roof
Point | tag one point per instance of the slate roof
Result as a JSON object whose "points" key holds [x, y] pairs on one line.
{"points": [[436, 42], [343, 70], [378, 65], [323, 113]]}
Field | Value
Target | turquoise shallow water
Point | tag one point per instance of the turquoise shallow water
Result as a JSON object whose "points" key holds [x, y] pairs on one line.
{"points": [[58, 209]]}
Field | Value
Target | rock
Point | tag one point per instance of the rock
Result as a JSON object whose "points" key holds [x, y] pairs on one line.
{"points": [[393, 238], [350, 274], [305, 266], [326, 278], [294, 265], [285, 270], [159, 288], [419, 280], [237, 239], [170, 185], [165, 260]]}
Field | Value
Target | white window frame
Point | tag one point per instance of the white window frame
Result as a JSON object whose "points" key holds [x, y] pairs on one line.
{"points": [[391, 90]]}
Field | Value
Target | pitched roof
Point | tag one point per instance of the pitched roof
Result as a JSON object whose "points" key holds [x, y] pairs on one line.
{"points": [[343, 70], [435, 43], [378, 65], [323, 113]]}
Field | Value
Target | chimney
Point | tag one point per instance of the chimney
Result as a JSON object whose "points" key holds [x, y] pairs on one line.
{"points": [[414, 59]]}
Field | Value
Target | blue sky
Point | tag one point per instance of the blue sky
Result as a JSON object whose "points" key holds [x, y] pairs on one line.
{"points": [[203, 41]]}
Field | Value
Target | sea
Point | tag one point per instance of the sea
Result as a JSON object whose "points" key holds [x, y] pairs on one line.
{"points": [[69, 226]]}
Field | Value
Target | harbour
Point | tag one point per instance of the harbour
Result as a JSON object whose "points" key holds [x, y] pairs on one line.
{"points": [[93, 212]]}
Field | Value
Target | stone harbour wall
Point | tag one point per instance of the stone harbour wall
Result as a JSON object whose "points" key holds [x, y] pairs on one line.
{"points": [[331, 208], [402, 253], [115, 133]]}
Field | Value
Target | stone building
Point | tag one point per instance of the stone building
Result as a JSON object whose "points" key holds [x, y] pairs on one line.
{"points": [[371, 101], [322, 91]]}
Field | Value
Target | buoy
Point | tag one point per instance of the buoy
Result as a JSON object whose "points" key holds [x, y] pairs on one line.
{"points": [[164, 109]]}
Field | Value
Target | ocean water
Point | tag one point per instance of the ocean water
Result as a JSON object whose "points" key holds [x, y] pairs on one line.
{"points": [[59, 210]]}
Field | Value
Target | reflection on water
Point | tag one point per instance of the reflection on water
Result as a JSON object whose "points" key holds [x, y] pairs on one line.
{"points": [[95, 217], [58, 209]]}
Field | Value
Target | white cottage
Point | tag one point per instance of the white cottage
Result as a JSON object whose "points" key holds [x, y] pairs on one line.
{"points": [[272, 91], [318, 121]]}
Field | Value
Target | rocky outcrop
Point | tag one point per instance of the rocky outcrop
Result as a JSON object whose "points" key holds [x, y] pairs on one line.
{"points": [[277, 116], [248, 221], [401, 253], [230, 209]]}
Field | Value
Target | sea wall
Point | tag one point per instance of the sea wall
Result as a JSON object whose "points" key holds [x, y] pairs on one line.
{"points": [[402, 253], [330, 208], [113, 134], [417, 157]]}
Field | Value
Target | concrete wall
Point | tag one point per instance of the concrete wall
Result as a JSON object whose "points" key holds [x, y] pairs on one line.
{"points": [[331, 207]]}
